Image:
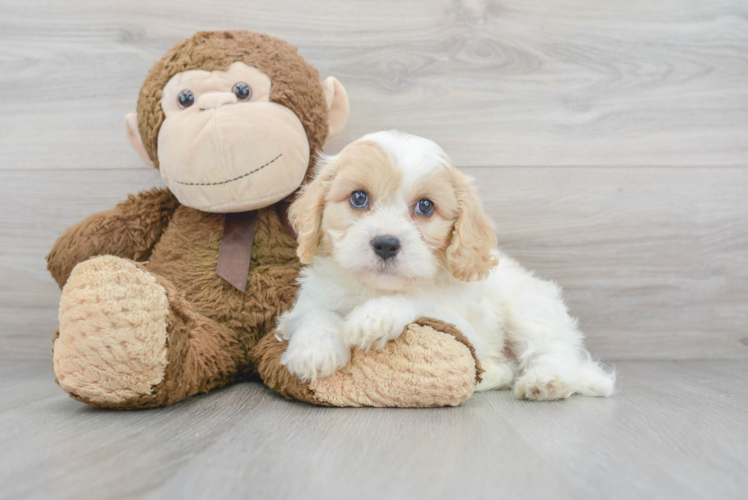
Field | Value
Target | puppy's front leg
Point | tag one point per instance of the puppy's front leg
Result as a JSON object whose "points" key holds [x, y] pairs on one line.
{"points": [[377, 321], [315, 347]]}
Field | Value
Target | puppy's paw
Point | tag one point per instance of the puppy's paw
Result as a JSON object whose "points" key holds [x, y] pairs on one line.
{"points": [[315, 351], [541, 384], [596, 381], [374, 323]]}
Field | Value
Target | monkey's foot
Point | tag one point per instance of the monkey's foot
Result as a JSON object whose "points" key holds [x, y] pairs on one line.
{"points": [[112, 342], [430, 364]]}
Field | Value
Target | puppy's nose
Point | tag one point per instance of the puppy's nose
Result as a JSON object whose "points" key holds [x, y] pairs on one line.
{"points": [[385, 246]]}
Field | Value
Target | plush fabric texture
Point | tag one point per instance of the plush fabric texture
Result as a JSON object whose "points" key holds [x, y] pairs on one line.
{"points": [[421, 368], [144, 319], [249, 154], [267, 358], [211, 326], [259, 164], [430, 364], [114, 319], [214, 333], [443, 326], [130, 230], [296, 84]]}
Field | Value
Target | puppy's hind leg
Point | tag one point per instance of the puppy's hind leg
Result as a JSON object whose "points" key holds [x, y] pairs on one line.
{"points": [[558, 376], [594, 379], [497, 374], [549, 346], [498, 371]]}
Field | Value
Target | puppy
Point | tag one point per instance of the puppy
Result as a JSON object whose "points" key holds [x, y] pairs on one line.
{"points": [[392, 231]]}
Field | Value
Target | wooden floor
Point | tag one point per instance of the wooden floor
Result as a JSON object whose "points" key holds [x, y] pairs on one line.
{"points": [[609, 141], [675, 430]]}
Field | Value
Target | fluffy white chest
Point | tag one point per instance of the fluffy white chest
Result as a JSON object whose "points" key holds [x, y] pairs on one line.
{"points": [[476, 308]]}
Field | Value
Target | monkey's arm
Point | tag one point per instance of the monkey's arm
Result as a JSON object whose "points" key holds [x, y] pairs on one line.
{"points": [[130, 230]]}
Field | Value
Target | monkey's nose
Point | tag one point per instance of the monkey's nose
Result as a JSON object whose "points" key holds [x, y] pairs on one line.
{"points": [[385, 246], [215, 100]]}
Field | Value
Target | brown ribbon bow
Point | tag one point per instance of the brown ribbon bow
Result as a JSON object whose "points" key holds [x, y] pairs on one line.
{"points": [[235, 252]]}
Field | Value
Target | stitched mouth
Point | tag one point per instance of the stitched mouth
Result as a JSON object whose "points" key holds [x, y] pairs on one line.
{"points": [[230, 180]]}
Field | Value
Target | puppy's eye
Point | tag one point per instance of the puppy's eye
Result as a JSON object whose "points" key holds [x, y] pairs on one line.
{"points": [[359, 199], [242, 91], [186, 99], [425, 207]]}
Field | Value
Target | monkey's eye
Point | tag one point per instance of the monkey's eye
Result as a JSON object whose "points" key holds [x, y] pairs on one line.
{"points": [[242, 91], [186, 99], [425, 207], [359, 199]]}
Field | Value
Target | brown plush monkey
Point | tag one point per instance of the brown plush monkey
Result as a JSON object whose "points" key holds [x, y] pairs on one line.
{"points": [[160, 298]]}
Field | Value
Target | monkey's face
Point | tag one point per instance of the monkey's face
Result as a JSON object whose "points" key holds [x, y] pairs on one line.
{"points": [[224, 147]]}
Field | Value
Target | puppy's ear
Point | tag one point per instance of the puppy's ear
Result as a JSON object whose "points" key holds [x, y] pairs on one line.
{"points": [[469, 254], [305, 214]]}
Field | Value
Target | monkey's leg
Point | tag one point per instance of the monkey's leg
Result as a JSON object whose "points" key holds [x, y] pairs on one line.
{"points": [[430, 364], [129, 339]]}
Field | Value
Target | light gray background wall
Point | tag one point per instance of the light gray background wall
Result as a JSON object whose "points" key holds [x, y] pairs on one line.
{"points": [[609, 139]]}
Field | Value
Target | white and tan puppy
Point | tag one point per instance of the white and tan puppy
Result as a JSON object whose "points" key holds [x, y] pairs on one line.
{"points": [[392, 231]]}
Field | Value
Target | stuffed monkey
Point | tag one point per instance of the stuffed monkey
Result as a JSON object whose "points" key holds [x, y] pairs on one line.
{"points": [[176, 291]]}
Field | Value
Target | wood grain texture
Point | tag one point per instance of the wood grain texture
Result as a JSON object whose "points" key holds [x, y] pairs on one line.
{"points": [[654, 438], [653, 257], [653, 260], [674, 431], [36, 208], [507, 83]]}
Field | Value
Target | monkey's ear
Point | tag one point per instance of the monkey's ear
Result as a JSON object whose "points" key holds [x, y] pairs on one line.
{"points": [[337, 105], [133, 135]]}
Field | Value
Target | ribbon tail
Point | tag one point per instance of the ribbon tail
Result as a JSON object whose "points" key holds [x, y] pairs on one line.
{"points": [[235, 252]]}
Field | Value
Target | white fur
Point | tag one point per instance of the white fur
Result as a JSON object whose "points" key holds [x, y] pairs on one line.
{"points": [[318, 350], [351, 299]]}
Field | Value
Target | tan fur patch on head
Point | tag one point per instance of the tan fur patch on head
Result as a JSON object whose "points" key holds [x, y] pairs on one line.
{"points": [[470, 252], [295, 83], [362, 166], [323, 203], [437, 229], [305, 214], [365, 166]]}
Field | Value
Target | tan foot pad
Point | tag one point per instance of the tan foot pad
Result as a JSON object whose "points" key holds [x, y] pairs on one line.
{"points": [[112, 341], [424, 367]]}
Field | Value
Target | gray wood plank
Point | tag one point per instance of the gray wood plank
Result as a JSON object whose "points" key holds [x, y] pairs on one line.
{"points": [[514, 83], [36, 208], [653, 260], [369, 453], [654, 438], [25, 381], [63, 449], [675, 430]]}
